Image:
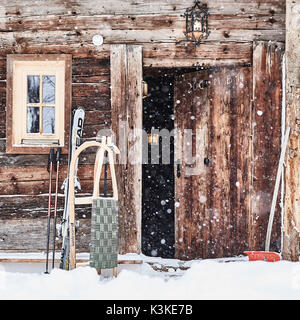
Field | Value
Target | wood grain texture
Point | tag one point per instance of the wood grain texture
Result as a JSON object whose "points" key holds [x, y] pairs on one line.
{"points": [[68, 27], [126, 101], [29, 235], [141, 7], [267, 109], [213, 212], [292, 207]]}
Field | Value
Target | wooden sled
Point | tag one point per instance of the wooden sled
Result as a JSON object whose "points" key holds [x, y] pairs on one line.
{"points": [[105, 145]]}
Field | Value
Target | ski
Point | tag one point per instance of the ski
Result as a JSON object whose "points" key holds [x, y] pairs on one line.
{"points": [[76, 130]]}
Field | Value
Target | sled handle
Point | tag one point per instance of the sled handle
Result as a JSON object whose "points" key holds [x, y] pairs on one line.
{"points": [[99, 163]]}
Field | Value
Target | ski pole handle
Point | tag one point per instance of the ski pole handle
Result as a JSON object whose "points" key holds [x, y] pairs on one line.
{"points": [[51, 155], [51, 159], [58, 154]]}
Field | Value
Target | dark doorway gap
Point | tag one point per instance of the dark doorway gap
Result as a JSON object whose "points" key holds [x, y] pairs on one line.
{"points": [[158, 191], [158, 179]]}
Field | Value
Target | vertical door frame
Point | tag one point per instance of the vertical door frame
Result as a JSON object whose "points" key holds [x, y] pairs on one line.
{"points": [[126, 71]]}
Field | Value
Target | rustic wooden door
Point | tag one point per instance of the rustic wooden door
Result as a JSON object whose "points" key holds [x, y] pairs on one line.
{"points": [[212, 162]]}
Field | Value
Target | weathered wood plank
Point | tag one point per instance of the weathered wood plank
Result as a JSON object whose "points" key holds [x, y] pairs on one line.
{"points": [[207, 50], [142, 22], [230, 160], [17, 160], [214, 199], [42, 187], [187, 55], [29, 235], [191, 190], [292, 182], [118, 65], [30, 41], [92, 97], [36, 206], [267, 108], [38, 173], [193, 63], [89, 70], [128, 7], [133, 196], [126, 101]]}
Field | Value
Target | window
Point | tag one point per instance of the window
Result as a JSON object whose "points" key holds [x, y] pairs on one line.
{"points": [[38, 102]]}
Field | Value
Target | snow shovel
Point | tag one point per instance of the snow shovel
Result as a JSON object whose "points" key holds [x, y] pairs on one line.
{"points": [[267, 255]]}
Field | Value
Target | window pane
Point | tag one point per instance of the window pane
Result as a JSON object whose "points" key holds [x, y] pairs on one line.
{"points": [[48, 120], [33, 119], [49, 89], [33, 89]]}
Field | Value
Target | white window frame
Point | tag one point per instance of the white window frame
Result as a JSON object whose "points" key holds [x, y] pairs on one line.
{"points": [[18, 68]]}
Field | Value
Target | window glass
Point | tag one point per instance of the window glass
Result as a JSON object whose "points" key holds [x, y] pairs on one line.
{"points": [[48, 120], [33, 89], [48, 89], [33, 119]]}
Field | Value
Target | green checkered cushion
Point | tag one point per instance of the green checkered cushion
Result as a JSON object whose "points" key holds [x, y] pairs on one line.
{"points": [[104, 234]]}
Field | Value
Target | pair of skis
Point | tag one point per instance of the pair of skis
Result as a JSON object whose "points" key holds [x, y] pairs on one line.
{"points": [[76, 131], [53, 165]]}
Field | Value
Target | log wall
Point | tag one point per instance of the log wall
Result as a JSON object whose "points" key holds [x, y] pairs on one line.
{"points": [[68, 27]]}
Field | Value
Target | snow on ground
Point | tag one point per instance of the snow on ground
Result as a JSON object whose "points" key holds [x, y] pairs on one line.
{"points": [[235, 278]]}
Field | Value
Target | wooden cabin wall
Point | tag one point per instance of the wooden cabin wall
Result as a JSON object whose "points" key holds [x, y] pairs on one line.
{"points": [[68, 27], [24, 179]]}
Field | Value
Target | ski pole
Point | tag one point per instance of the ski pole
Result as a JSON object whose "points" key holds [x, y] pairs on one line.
{"points": [[58, 152], [50, 168]]}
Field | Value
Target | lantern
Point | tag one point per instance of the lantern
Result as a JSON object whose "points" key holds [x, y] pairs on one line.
{"points": [[197, 23]]}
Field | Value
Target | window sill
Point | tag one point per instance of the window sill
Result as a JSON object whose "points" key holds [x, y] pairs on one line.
{"points": [[40, 142]]}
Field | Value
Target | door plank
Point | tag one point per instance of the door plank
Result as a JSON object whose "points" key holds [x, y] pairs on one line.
{"points": [[267, 109]]}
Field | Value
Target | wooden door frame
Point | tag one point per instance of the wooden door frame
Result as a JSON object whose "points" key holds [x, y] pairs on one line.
{"points": [[126, 99], [127, 115]]}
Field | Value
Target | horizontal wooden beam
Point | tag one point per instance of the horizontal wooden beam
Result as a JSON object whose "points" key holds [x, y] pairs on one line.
{"points": [[75, 41], [124, 22], [114, 7]]}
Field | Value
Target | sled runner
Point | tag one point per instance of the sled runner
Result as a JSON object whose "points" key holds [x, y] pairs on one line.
{"points": [[104, 222]]}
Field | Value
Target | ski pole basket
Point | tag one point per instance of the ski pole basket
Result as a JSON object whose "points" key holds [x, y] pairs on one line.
{"points": [[104, 221]]}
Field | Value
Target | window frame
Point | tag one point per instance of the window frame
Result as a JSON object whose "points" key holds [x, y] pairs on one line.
{"points": [[37, 149]]}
